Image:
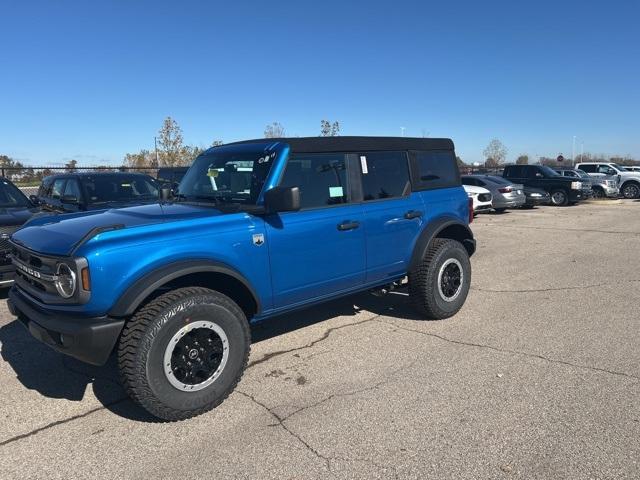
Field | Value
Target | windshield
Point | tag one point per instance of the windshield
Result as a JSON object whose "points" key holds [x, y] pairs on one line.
{"points": [[622, 169], [10, 196], [121, 188], [227, 175]]}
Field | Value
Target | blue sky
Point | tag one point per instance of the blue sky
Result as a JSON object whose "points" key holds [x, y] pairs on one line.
{"points": [[94, 80]]}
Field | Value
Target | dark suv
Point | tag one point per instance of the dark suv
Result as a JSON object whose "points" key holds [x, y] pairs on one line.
{"points": [[73, 192], [256, 229], [563, 190]]}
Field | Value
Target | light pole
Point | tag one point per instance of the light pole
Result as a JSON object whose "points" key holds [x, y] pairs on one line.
{"points": [[402, 131], [573, 150]]}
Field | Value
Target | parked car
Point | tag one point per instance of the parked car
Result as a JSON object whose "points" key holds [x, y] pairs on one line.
{"points": [[628, 181], [605, 187], [504, 194], [563, 191], [481, 198], [174, 284], [15, 209], [579, 175], [535, 197], [73, 192], [171, 175]]}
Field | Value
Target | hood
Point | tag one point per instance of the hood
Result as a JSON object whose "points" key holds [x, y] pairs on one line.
{"points": [[60, 234], [13, 216], [475, 190]]}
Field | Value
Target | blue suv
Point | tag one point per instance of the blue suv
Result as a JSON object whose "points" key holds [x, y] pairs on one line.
{"points": [[254, 229]]}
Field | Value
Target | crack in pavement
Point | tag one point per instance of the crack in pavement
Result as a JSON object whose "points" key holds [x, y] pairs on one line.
{"points": [[326, 459], [290, 432], [61, 422], [514, 352], [324, 336], [554, 289]]}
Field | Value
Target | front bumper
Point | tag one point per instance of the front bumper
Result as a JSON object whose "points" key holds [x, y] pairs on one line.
{"points": [[89, 339], [575, 195]]}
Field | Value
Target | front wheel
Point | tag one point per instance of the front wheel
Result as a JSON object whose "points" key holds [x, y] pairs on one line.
{"points": [[631, 190], [439, 285], [598, 193], [559, 198], [184, 352]]}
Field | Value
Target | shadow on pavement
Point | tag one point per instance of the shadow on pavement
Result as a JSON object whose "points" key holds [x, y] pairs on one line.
{"points": [[54, 375]]}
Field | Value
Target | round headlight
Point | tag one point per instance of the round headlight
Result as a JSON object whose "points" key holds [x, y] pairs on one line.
{"points": [[66, 280]]}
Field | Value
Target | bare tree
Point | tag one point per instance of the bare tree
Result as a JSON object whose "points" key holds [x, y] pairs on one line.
{"points": [[522, 160], [328, 129], [274, 130], [495, 153]]}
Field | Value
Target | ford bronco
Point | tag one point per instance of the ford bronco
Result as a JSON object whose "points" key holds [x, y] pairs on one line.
{"points": [[254, 229]]}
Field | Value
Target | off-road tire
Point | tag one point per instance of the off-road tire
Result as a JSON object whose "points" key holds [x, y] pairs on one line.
{"points": [[560, 203], [145, 337], [423, 280], [598, 192]]}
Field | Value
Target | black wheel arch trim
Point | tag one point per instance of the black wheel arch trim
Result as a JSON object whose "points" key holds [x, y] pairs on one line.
{"points": [[135, 294], [432, 230]]}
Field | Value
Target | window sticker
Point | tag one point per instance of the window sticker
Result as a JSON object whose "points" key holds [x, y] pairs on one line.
{"points": [[335, 192], [363, 162]]}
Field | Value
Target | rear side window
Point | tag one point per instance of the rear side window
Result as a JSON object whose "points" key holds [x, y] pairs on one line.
{"points": [[384, 175], [321, 178], [436, 169], [589, 168], [515, 171]]}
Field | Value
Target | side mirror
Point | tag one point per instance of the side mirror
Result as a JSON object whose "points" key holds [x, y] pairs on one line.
{"points": [[69, 199], [539, 175], [282, 199], [34, 199], [165, 193]]}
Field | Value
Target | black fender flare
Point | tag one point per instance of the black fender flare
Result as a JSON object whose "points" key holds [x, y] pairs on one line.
{"points": [[135, 294], [432, 230]]}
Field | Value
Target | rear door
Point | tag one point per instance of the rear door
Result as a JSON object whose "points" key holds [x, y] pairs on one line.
{"points": [[319, 250], [393, 215]]}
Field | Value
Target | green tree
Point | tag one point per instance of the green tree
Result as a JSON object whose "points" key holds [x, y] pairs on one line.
{"points": [[522, 160], [328, 129], [274, 130], [170, 143]]}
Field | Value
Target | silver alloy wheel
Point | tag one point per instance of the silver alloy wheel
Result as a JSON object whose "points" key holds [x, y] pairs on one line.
{"points": [[631, 190], [184, 349], [558, 197], [450, 278]]}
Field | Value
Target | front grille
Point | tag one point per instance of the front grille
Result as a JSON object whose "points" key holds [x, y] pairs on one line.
{"points": [[5, 233], [34, 272], [484, 197]]}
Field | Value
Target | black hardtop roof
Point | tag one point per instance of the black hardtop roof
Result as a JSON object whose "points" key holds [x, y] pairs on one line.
{"points": [[354, 144]]}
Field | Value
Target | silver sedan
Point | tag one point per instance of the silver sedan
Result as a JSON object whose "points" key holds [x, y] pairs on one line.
{"points": [[505, 194]]}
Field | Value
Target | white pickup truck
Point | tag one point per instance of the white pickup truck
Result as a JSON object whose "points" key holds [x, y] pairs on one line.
{"points": [[628, 182]]}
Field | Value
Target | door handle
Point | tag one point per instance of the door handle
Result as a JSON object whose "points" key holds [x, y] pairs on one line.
{"points": [[348, 226], [413, 214]]}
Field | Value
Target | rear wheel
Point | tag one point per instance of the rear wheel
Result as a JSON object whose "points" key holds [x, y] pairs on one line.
{"points": [[183, 353], [559, 198], [631, 190], [439, 285]]}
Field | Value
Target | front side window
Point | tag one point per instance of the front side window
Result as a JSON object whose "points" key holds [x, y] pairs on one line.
{"points": [[102, 189], [437, 169], [58, 188], [72, 189], [384, 175], [321, 178]]}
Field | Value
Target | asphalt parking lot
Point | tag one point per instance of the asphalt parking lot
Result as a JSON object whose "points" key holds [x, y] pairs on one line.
{"points": [[537, 377]]}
